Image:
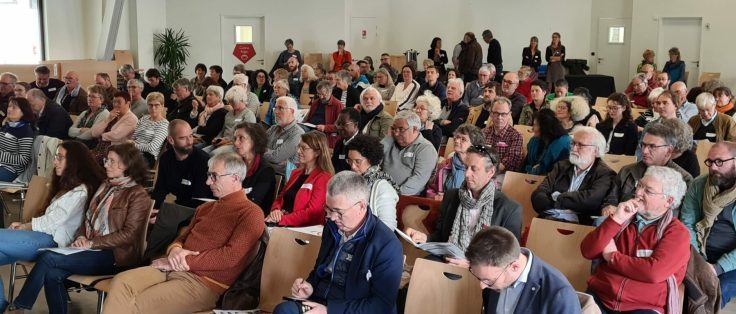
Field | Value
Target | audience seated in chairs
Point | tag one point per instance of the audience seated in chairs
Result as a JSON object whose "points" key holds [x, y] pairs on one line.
{"points": [[205, 259], [344, 90], [75, 177], [262, 88], [619, 130], [707, 212], [138, 104], [427, 107], [450, 173], [118, 128], [347, 127], [152, 129], [510, 274], [537, 101], [355, 246], [561, 89], [640, 91], [550, 143], [48, 85], [96, 113], [477, 205], [682, 153], [188, 107], [72, 96], [384, 83], [280, 89], [212, 119], [408, 156], [284, 136], [260, 180], [16, 139], [473, 95], [644, 248], [301, 201], [405, 93], [506, 141], [480, 116], [686, 108], [112, 227], [373, 118], [709, 124], [454, 110], [200, 70], [574, 189], [253, 102], [53, 120], [364, 156], [508, 87], [571, 111], [432, 84], [324, 111], [236, 97]]}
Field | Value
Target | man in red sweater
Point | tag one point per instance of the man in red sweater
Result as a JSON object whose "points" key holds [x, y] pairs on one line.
{"points": [[205, 259], [644, 247]]}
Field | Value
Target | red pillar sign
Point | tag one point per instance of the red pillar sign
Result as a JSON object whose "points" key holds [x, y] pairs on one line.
{"points": [[244, 52]]}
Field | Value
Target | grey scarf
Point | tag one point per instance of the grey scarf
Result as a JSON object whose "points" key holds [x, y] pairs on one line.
{"points": [[374, 173], [460, 234]]}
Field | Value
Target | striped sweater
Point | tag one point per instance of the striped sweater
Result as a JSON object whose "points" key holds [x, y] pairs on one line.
{"points": [[16, 143], [149, 136]]}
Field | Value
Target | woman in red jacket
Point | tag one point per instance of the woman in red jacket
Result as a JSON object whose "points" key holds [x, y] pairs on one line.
{"points": [[302, 201]]}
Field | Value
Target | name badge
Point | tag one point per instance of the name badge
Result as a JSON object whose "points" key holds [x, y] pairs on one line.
{"points": [[149, 131], [710, 135], [8, 135], [247, 191], [485, 122], [238, 120], [342, 156], [307, 186], [409, 155], [53, 89], [186, 182], [618, 134], [502, 144], [279, 141], [644, 253]]}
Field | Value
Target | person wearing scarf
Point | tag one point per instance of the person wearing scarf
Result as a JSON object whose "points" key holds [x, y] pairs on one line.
{"points": [[644, 247], [475, 206], [450, 173], [373, 119], [212, 119], [260, 180], [109, 238], [96, 114]]}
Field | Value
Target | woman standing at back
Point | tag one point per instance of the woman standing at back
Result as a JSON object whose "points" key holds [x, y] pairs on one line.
{"points": [[555, 56]]}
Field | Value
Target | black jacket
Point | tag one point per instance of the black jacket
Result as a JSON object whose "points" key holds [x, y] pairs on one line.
{"points": [[625, 137], [353, 96], [533, 62], [54, 121], [213, 126], [458, 115], [506, 213], [586, 200], [261, 185]]}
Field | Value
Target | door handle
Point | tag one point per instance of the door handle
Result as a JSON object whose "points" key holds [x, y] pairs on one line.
{"points": [[600, 59]]}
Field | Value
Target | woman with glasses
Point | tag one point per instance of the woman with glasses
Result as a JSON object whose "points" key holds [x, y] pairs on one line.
{"points": [[550, 143], [450, 173], [71, 184], [118, 128], [618, 128], [96, 113], [110, 235], [262, 88], [428, 109], [260, 181], [302, 201], [152, 129], [16, 139], [365, 154]]}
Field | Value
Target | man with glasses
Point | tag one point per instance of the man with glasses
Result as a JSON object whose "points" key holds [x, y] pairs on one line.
{"points": [[284, 136], [687, 109], [48, 85], [347, 128], [138, 104], [7, 83], [656, 147], [409, 157], [473, 95], [508, 87], [574, 189], [708, 123], [708, 212], [645, 249], [72, 97], [454, 109], [206, 259], [505, 140], [52, 120], [639, 91], [514, 280], [359, 265]]}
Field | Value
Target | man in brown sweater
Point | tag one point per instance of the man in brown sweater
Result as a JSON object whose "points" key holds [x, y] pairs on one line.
{"points": [[205, 259]]}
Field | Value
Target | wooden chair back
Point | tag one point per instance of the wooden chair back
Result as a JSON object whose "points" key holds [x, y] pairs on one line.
{"points": [[558, 243], [279, 179], [428, 205], [616, 162], [519, 187], [442, 288], [708, 76], [703, 147], [38, 191], [449, 147], [263, 110], [390, 107], [289, 255], [526, 134]]}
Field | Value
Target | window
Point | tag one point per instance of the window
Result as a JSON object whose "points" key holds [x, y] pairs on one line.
{"points": [[244, 34], [22, 20], [616, 35]]}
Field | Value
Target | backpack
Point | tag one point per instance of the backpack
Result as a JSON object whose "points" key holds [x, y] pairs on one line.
{"points": [[245, 293]]}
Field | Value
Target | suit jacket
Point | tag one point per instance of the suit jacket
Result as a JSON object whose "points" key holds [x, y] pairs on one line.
{"points": [[546, 291], [54, 121], [332, 110], [506, 213]]}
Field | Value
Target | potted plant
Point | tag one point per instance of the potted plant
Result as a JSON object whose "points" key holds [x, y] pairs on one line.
{"points": [[170, 53]]}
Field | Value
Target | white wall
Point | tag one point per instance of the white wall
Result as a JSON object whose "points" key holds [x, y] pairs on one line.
{"points": [[607, 9], [147, 17]]}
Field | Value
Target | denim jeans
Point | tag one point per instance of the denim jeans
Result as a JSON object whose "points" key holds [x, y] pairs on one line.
{"points": [[7, 175], [52, 269], [728, 286], [20, 245]]}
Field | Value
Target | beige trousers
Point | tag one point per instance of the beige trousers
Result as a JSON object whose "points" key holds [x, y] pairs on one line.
{"points": [[148, 290]]}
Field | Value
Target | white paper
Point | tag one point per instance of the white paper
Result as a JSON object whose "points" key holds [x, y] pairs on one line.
{"points": [[307, 124], [65, 250], [236, 311], [435, 248], [313, 230], [204, 199]]}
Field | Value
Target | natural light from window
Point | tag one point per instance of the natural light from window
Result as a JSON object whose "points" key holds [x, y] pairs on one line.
{"points": [[22, 40]]}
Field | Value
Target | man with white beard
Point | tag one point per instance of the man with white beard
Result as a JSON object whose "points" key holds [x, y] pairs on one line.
{"points": [[575, 189]]}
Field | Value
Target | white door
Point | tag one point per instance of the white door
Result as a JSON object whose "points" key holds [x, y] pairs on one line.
{"points": [[236, 30], [683, 33], [613, 50], [363, 38]]}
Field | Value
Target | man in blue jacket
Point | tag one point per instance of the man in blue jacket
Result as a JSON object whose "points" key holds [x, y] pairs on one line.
{"points": [[513, 280], [359, 265]]}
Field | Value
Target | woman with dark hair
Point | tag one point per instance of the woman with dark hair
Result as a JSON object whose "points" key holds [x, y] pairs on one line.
{"points": [[302, 201], [675, 67], [216, 74], [537, 102], [450, 173], [109, 237], [550, 143], [71, 185], [531, 56], [405, 93], [365, 155], [201, 72], [438, 56], [339, 57], [451, 74], [724, 100], [260, 181], [555, 56], [618, 128], [16, 139], [262, 88]]}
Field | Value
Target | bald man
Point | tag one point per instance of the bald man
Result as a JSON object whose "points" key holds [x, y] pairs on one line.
{"points": [[72, 97]]}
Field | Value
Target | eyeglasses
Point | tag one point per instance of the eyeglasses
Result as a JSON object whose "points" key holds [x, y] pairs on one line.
{"points": [[340, 212], [483, 150], [109, 162], [579, 145], [651, 146], [614, 108], [343, 124], [354, 161], [510, 82], [58, 157], [717, 162], [648, 191], [214, 176], [500, 114], [398, 130], [491, 283]]}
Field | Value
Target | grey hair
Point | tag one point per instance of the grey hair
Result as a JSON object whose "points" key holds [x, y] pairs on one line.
{"points": [[36, 93], [389, 78], [236, 94], [433, 104], [125, 69], [641, 77], [232, 162], [491, 67], [182, 82], [682, 133], [217, 90], [373, 89], [324, 85], [239, 79], [484, 69], [705, 101], [660, 130], [412, 119], [136, 81], [672, 183], [598, 140], [459, 82], [501, 99], [345, 76], [289, 102], [350, 185], [283, 83], [653, 94]]}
